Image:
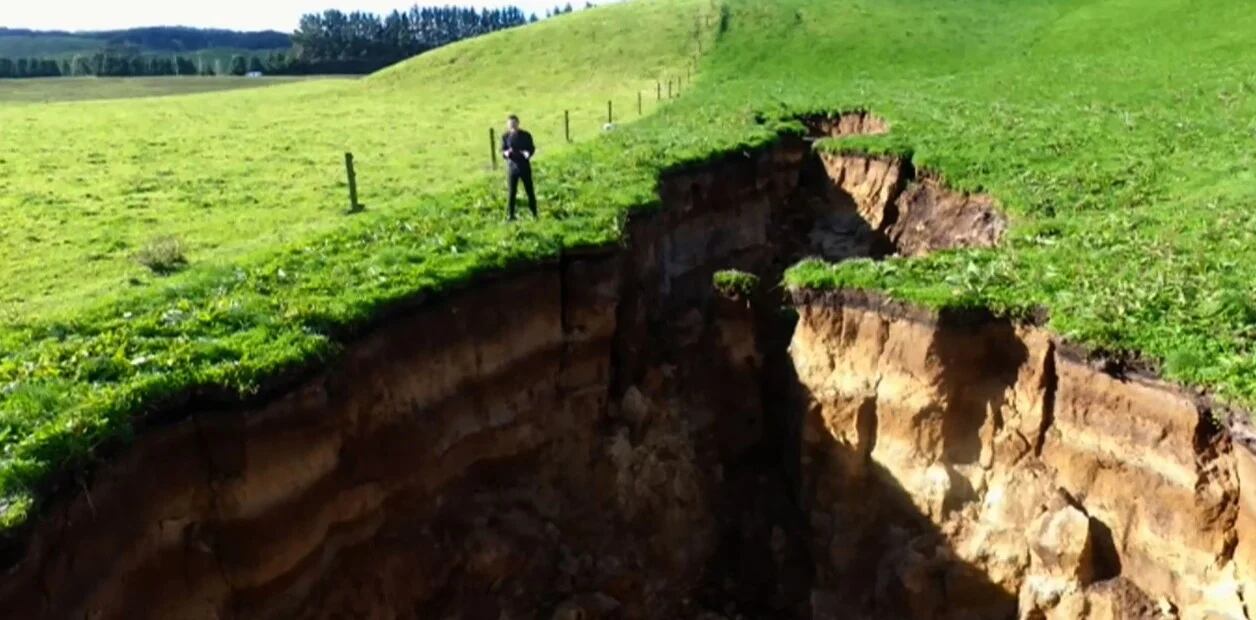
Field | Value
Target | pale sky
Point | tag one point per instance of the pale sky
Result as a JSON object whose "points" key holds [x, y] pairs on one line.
{"points": [[279, 15]]}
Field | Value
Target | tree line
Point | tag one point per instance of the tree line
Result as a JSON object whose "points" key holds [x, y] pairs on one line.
{"points": [[162, 38], [333, 41], [327, 42], [180, 39], [360, 42], [130, 62]]}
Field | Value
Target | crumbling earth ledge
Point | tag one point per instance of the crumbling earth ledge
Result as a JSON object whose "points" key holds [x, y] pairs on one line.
{"points": [[487, 455], [1073, 492], [604, 437]]}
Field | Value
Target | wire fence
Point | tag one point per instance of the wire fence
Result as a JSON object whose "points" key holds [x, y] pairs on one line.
{"points": [[664, 91]]}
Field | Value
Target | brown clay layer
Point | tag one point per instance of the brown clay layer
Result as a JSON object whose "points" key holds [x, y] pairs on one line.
{"points": [[968, 469], [602, 437]]}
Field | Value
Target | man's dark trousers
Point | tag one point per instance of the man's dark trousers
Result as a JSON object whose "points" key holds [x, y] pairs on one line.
{"points": [[521, 171]]}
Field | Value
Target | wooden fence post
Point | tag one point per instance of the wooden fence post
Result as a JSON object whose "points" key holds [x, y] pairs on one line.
{"points": [[659, 87], [640, 97], [610, 112], [567, 124], [669, 89], [492, 147], [354, 206]]}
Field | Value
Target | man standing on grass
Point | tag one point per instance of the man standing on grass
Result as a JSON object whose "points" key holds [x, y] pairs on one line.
{"points": [[518, 149]]}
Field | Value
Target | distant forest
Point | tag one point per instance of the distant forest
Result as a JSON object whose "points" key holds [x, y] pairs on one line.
{"points": [[328, 42], [160, 38]]}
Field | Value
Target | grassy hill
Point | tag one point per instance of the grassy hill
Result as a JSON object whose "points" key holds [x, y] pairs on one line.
{"points": [[252, 184], [1116, 133]]}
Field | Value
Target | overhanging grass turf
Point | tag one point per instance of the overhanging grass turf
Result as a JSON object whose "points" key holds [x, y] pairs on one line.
{"points": [[252, 183]]}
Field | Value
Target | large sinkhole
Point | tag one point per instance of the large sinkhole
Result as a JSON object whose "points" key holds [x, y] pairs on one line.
{"points": [[607, 436]]}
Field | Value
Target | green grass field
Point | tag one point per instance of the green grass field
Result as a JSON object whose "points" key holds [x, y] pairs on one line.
{"points": [[54, 90], [244, 172], [1116, 133], [252, 183]]}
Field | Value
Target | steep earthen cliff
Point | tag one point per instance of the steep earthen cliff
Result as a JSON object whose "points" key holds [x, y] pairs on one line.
{"points": [[605, 437], [965, 466]]}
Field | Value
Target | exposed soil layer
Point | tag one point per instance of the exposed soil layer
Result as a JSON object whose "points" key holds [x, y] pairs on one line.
{"points": [[605, 437], [859, 122], [1000, 477]]}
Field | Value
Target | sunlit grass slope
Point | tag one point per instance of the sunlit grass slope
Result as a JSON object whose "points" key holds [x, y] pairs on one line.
{"points": [[84, 186], [1118, 135], [252, 182]]}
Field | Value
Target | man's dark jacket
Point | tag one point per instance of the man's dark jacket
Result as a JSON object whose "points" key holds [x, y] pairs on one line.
{"points": [[518, 143]]}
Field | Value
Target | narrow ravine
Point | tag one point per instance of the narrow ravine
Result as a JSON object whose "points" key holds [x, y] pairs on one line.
{"points": [[606, 436]]}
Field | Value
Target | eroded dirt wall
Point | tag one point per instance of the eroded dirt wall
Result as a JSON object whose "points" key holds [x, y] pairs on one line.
{"points": [[454, 449], [961, 466], [604, 437], [533, 446]]}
